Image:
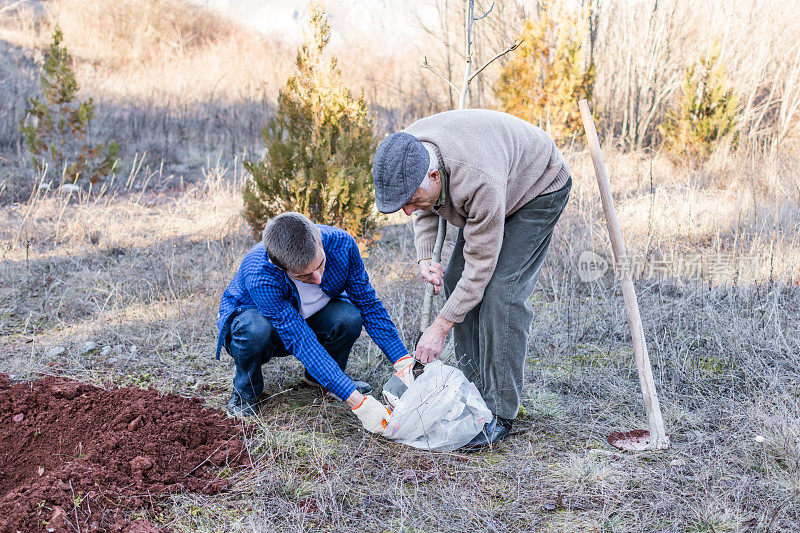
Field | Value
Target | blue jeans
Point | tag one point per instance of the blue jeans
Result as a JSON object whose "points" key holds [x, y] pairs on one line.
{"points": [[253, 341]]}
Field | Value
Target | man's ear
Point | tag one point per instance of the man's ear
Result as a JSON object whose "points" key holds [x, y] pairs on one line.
{"points": [[435, 176]]}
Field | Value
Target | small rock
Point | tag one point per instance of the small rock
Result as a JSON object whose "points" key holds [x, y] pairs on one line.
{"points": [[134, 349], [191, 380], [19, 417], [55, 351], [68, 390], [69, 187], [40, 471], [135, 424], [219, 485], [677, 462], [141, 463], [219, 458], [759, 439], [87, 347], [105, 351], [57, 520], [112, 361]]}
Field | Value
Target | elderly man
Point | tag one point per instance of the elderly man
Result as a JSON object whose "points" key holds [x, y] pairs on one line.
{"points": [[504, 183], [304, 291]]}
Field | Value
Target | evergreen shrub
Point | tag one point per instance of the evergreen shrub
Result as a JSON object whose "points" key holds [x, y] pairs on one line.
{"points": [[319, 146], [56, 127]]}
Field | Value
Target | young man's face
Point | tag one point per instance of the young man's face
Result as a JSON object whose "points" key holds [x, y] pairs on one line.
{"points": [[425, 197], [313, 273]]}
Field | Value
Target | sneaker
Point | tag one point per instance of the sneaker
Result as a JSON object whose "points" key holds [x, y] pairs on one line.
{"points": [[238, 406], [361, 386]]}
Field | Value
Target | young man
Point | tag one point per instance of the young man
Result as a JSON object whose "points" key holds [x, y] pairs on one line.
{"points": [[304, 291], [504, 183]]}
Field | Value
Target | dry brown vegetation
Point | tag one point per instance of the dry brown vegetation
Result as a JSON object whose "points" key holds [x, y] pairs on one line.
{"points": [[140, 268]]}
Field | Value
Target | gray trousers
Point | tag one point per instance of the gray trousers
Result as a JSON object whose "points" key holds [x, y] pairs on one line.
{"points": [[491, 342]]}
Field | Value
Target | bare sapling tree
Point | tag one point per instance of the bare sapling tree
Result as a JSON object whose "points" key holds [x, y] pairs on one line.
{"points": [[10, 6], [462, 91]]}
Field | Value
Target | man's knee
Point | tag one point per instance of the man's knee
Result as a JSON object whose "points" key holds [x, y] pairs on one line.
{"points": [[350, 324], [251, 333]]}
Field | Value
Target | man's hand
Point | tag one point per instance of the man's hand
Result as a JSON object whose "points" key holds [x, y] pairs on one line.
{"points": [[373, 414], [432, 273], [404, 369], [431, 343]]}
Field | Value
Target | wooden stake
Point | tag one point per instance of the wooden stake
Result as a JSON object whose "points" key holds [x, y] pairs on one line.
{"points": [[658, 437]]}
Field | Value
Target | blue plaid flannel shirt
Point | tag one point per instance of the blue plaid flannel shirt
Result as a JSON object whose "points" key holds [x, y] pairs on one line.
{"points": [[262, 285]]}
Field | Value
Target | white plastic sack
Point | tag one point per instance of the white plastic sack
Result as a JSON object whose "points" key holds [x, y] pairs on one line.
{"points": [[441, 410]]}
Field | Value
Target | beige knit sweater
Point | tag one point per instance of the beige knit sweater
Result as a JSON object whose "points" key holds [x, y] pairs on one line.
{"points": [[495, 163]]}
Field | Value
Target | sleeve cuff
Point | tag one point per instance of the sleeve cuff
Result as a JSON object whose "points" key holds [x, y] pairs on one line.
{"points": [[424, 251], [345, 390], [454, 311]]}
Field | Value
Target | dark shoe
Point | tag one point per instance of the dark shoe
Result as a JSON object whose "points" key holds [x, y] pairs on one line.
{"points": [[238, 406], [493, 432], [361, 386]]}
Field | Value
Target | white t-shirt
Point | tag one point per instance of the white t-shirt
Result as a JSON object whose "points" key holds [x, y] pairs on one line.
{"points": [[312, 298]]}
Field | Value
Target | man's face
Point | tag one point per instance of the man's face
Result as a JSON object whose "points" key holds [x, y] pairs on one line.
{"points": [[313, 273], [424, 198]]}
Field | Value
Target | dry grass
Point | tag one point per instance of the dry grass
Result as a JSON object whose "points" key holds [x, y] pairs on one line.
{"points": [[175, 85], [158, 49], [161, 77], [640, 50], [182, 84], [138, 267], [141, 272]]}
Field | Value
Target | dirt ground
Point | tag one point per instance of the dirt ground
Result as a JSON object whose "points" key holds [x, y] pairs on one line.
{"points": [[76, 457]]}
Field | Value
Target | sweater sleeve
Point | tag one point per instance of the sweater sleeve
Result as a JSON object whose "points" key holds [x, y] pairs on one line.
{"points": [[483, 238], [426, 224]]}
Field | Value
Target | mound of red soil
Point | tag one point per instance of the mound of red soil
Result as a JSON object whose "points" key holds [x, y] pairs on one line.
{"points": [[74, 457]]}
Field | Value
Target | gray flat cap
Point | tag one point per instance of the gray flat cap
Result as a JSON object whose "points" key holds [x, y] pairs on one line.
{"points": [[400, 165]]}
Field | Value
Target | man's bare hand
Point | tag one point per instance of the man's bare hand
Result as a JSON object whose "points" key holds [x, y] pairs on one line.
{"points": [[431, 343], [432, 272]]}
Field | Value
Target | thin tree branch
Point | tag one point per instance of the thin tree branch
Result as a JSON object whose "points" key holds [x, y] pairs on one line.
{"points": [[427, 65], [501, 54], [485, 14], [11, 6]]}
